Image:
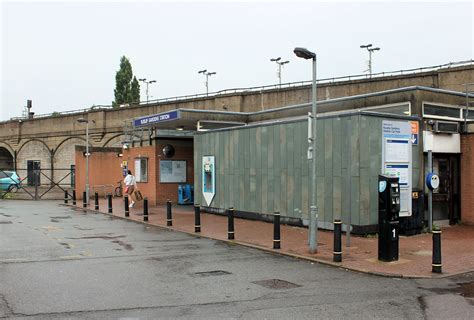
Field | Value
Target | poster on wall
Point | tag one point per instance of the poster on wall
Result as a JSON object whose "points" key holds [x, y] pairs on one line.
{"points": [[208, 178], [397, 159], [173, 171]]}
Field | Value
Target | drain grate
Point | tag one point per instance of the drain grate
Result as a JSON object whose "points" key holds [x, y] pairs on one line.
{"points": [[276, 284], [6, 222], [212, 273]]}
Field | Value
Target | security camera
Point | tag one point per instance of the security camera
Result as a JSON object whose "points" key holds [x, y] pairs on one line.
{"points": [[125, 146]]}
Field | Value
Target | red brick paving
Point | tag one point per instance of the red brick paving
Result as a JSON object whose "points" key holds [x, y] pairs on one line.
{"points": [[414, 257]]}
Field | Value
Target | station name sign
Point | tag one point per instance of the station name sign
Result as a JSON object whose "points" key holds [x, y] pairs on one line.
{"points": [[156, 118]]}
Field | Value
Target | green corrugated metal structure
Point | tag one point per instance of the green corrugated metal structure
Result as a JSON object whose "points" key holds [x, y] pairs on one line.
{"points": [[263, 168]]}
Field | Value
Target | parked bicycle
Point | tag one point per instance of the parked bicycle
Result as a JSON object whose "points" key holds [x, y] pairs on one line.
{"points": [[119, 189]]}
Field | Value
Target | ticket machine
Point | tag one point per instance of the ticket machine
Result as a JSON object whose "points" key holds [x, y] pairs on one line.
{"points": [[389, 209]]}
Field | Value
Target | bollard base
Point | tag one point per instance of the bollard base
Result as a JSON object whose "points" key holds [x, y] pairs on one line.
{"points": [[96, 207], [109, 211], [127, 214], [276, 244], [197, 228], [436, 268], [145, 218], [230, 235], [169, 223], [337, 257]]}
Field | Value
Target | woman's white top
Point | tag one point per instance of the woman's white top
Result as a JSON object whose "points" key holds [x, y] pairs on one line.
{"points": [[130, 180]]}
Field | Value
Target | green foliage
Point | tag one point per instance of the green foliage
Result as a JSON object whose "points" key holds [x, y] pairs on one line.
{"points": [[125, 90], [135, 91]]}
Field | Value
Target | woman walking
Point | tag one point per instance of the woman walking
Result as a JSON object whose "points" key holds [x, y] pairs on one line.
{"points": [[130, 185]]}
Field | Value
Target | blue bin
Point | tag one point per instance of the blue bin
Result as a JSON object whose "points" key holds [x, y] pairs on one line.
{"points": [[185, 194]]}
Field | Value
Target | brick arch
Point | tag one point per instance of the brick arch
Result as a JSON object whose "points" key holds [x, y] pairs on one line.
{"points": [[7, 160], [64, 154], [111, 143], [34, 149]]}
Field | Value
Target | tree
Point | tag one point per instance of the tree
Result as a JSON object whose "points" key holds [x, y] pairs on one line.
{"points": [[125, 91], [135, 91]]}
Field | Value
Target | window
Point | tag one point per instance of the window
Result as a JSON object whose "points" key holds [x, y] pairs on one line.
{"points": [[439, 111], [141, 169], [401, 109]]}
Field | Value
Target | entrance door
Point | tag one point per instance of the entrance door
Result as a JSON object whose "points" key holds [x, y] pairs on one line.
{"points": [[33, 172], [446, 198]]}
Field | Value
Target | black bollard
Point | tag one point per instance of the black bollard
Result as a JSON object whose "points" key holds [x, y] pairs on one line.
{"points": [[74, 197], [84, 200], [230, 225], [127, 209], [197, 218], [109, 198], [169, 216], [65, 196], [145, 209], [436, 264], [276, 230], [337, 253], [96, 201]]}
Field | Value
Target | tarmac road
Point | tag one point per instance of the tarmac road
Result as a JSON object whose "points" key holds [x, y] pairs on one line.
{"points": [[57, 263]]}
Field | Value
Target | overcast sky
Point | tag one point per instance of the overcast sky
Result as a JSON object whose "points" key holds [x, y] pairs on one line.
{"points": [[64, 55]]}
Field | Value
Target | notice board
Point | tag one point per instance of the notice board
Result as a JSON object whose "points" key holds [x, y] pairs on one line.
{"points": [[173, 171], [397, 159]]}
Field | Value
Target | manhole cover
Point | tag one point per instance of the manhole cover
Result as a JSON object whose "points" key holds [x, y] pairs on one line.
{"points": [[6, 222], [276, 284], [467, 290], [212, 273]]}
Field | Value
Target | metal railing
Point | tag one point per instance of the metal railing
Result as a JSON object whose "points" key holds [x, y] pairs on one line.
{"points": [[258, 89], [36, 183]]}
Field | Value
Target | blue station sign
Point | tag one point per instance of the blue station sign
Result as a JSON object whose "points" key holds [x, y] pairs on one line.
{"points": [[156, 118]]}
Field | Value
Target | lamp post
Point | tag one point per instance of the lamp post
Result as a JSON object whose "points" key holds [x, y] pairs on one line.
{"points": [[207, 74], [280, 64], [147, 83], [83, 120], [370, 50], [313, 209]]}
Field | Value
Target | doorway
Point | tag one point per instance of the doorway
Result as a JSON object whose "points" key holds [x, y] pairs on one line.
{"points": [[33, 168], [446, 198]]}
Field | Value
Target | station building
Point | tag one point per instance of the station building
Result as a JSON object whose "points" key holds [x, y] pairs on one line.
{"points": [[256, 162]]}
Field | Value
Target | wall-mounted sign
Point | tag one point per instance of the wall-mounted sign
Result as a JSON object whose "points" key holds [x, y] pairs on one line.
{"points": [[397, 138], [208, 178], [415, 131], [156, 118], [432, 181], [173, 171]]}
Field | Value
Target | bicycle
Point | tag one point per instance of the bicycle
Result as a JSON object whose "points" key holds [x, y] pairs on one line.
{"points": [[119, 189]]}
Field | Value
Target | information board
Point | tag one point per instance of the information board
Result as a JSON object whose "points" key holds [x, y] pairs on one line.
{"points": [[173, 171], [397, 158]]}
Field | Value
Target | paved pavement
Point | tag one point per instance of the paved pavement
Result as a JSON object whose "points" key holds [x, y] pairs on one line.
{"points": [[414, 258], [60, 263]]}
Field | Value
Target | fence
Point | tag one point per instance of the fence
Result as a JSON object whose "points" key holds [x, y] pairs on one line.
{"points": [[36, 183]]}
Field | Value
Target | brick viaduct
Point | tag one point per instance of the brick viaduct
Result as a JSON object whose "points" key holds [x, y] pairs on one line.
{"points": [[52, 139]]}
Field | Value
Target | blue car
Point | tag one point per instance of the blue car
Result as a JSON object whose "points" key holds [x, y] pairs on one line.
{"points": [[9, 181]]}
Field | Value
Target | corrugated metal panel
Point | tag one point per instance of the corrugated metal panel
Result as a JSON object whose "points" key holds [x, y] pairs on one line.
{"points": [[264, 169]]}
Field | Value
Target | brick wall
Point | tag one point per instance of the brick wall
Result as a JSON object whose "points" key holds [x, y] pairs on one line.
{"points": [[467, 178], [104, 168], [148, 189], [183, 151]]}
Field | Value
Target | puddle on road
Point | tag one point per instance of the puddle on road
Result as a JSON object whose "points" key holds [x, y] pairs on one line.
{"points": [[5, 215], [127, 246], [103, 237], [6, 222]]}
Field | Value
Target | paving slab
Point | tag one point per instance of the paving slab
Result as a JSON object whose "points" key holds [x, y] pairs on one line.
{"points": [[414, 256]]}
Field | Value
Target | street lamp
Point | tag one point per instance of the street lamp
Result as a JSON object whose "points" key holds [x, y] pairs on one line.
{"points": [[207, 74], [83, 120], [370, 50], [147, 83], [280, 64], [313, 209]]}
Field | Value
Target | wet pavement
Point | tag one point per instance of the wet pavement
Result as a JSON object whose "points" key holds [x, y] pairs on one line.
{"points": [[57, 262], [414, 257]]}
